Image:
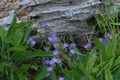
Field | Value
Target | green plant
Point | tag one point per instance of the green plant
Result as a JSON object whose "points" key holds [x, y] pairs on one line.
{"points": [[103, 62], [19, 60], [16, 55]]}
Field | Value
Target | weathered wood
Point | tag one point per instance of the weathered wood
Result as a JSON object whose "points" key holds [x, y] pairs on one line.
{"points": [[57, 15]]}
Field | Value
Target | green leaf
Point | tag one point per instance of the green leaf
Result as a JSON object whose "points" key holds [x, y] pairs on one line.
{"points": [[2, 66], [101, 48], [2, 53], [85, 72], [41, 75], [91, 59], [26, 55], [27, 31], [95, 70], [23, 68], [14, 20], [12, 25], [108, 74], [117, 75], [3, 33], [42, 53], [21, 77], [18, 35], [21, 25], [117, 61], [67, 73], [34, 67], [21, 55], [53, 76], [102, 67], [76, 73], [80, 55], [35, 54], [82, 68], [116, 24], [38, 53], [116, 64], [18, 48]]}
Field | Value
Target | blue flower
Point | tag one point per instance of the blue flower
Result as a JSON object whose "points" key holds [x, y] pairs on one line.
{"points": [[55, 60], [47, 61], [65, 45], [52, 62], [87, 45], [108, 35], [61, 78], [103, 41], [55, 52], [53, 37], [72, 51], [71, 45], [31, 41], [49, 68]]}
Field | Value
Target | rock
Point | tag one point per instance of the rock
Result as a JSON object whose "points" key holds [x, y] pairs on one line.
{"points": [[26, 3], [2, 5], [3, 14], [42, 1], [60, 15], [8, 19]]}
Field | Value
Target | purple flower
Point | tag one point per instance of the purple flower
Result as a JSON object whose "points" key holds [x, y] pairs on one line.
{"points": [[55, 52], [103, 41], [72, 44], [52, 62], [65, 45], [53, 37], [31, 41], [72, 51], [61, 78], [87, 45], [58, 61], [49, 68], [47, 61], [108, 35], [55, 60], [45, 24]]}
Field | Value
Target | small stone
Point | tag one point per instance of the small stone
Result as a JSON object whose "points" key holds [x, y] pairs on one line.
{"points": [[26, 3], [42, 1], [3, 14], [8, 19], [2, 4]]}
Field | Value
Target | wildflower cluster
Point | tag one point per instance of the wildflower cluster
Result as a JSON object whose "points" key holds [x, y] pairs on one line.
{"points": [[58, 49], [55, 60], [103, 40], [31, 41]]}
